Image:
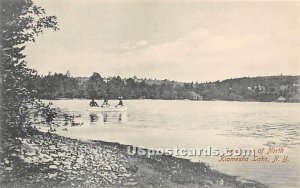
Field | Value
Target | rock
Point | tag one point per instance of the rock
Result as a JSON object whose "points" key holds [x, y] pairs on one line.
{"points": [[28, 160], [8, 168], [132, 183], [35, 159], [82, 172], [21, 157], [56, 162], [61, 154], [74, 172], [114, 177], [53, 167], [122, 169], [107, 167], [126, 175], [30, 154], [45, 158], [52, 147], [64, 148], [54, 155], [52, 175]]}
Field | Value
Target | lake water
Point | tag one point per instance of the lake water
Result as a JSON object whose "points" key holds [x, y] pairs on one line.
{"points": [[199, 124]]}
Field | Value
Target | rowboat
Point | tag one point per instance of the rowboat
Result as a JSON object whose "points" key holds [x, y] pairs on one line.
{"points": [[107, 109]]}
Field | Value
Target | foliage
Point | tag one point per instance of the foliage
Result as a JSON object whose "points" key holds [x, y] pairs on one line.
{"points": [[241, 89], [264, 89], [96, 87], [57, 85], [21, 22]]}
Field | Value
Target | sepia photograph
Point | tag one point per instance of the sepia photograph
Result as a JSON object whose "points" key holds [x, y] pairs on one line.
{"points": [[150, 93]]}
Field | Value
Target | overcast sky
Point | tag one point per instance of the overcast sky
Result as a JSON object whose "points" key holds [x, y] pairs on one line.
{"points": [[183, 40]]}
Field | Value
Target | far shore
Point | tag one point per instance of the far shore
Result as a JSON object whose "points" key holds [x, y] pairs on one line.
{"points": [[212, 100]]}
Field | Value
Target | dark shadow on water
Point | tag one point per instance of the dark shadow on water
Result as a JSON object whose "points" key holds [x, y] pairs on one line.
{"points": [[105, 117], [94, 117], [108, 117]]}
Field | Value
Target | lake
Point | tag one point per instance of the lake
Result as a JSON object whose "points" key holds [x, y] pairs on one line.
{"points": [[199, 124]]}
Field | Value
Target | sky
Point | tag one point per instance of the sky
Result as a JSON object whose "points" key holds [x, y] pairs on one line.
{"points": [[178, 40]]}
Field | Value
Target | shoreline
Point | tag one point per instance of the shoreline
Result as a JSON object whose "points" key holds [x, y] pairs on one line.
{"points": [[250, 101], [53, 160]]}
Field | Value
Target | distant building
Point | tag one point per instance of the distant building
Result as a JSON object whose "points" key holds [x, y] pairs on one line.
{"points": [[281, 99], [194, 96], [106, 80], [139, 80], [259, 88], [283, 87]]}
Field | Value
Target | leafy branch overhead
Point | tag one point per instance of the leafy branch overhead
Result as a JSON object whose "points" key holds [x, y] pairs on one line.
{"points": [[21, 22]]}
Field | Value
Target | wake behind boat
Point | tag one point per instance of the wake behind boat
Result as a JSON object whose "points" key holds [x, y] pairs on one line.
{"points": [[107, 109]]}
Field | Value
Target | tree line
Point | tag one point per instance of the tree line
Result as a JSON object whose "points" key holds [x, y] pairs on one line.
{"points": [[60, 85], [263, 89]]}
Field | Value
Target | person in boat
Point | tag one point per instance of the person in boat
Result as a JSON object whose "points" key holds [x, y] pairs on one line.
{"points": [[120, 102], [105, 103], [93, 103]]}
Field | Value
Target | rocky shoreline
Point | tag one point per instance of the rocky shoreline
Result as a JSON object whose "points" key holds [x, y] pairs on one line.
{"points": [[49, 160]]}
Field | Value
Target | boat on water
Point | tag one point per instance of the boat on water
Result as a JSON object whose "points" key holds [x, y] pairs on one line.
{"points": [[107, 109]]}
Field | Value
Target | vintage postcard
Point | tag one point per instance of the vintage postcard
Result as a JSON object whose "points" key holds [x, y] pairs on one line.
{"points": [[150, 93]]}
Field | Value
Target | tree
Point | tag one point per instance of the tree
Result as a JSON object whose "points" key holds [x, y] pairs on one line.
{"points": [[21, 22], [115, 87], [96, 87]]}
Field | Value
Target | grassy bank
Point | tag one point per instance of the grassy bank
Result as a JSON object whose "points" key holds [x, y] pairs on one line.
{"points": [[49, 160]]}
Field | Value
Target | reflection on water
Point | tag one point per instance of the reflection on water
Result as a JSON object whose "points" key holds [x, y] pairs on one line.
{"points": [[94, 117], [107, 117]]}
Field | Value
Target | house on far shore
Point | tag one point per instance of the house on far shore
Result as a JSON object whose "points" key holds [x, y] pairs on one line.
{"points": [[295, 85], [281, 99], [283, 87], [194, 96], [259, 88]]}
